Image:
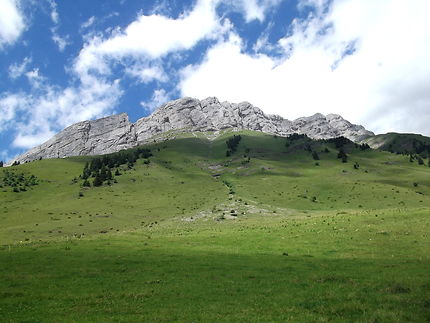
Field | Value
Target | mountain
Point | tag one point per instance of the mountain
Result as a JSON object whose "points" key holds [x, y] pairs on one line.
{"points": [[116, 132], [402, 143]]}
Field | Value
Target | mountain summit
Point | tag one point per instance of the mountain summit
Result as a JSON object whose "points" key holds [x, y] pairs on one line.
{"points": [[116, 132]]}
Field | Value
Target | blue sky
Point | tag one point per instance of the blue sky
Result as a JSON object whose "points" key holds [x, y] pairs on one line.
{"points": [[66, 61]]}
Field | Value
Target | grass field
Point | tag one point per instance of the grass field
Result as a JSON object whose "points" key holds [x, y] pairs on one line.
{"points": [[196, 236]]}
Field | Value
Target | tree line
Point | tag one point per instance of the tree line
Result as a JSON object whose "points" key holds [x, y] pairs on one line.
{"points": [[100, 168]]}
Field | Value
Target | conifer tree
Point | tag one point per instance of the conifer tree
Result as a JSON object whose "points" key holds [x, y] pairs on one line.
{"points": [[97, 180]]}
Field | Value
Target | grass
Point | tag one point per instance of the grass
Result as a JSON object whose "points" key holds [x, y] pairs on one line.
{"points": [[171, 242]]}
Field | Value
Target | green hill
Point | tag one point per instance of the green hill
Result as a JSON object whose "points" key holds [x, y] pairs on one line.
{"points": [[260, 228], [401, 143]]}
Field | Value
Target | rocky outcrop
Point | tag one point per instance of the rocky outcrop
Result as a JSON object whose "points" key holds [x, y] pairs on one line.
{"points": [[319, 126], [115, 133], [95, 137]]}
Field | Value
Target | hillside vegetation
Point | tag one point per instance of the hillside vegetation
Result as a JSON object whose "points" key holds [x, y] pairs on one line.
{"points": [[401, 143], [245, 227]]}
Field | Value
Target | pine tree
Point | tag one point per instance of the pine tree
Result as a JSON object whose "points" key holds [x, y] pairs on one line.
{"points": [[1, 163], [86, 183], [97, 180]]}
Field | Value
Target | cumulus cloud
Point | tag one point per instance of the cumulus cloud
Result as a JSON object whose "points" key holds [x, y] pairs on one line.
{"points": [[152, 36], [41, 115], [159, 97], [366, 60], [11, 22]]}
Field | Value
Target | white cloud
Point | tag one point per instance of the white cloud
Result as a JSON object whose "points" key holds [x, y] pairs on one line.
{"points": [[55, 17], [256, 9], [61, 42], [88, 23], [159, 97], [366, 60], [152, 36], [10, 104], [38, 115], [147, 74], [17, 70], [34, 78], [11, 22]]}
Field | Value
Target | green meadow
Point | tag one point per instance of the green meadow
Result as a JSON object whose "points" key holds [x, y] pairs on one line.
{"points": [[267, 234]]}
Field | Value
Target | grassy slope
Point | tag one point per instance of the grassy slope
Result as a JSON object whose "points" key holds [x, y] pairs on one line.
{"points": [[358, 251]]}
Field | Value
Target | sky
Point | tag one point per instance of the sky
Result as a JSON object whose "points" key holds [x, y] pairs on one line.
{"points": [[62, 61]]}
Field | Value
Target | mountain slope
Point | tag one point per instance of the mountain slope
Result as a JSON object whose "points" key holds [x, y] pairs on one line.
{"points": [[191, 175], [402, 143], [115, 133], [269, 234]]}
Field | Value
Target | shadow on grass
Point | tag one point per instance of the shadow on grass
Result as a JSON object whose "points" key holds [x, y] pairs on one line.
{"points": [[94, 281]]}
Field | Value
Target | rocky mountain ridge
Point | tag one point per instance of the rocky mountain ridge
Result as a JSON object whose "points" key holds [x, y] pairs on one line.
{"points": [[116, 132]]}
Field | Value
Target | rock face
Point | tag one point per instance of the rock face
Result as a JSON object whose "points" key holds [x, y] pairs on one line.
{"points": [[96, 137], [116, 132]]}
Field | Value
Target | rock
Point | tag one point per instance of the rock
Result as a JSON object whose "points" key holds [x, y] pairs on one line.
{"points": [[101, 136], [116, 133]]}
